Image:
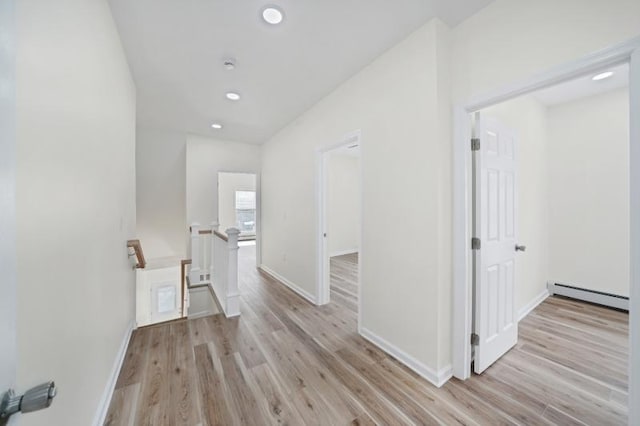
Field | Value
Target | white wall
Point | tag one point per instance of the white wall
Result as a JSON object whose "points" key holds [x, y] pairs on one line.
{"points": [[528, 119], [75, 202], [589, 192], [398, 102], [161, 192], [510, 40], [205, 158], [228, 184], [175, 188], [394, 102], [8, 353], [343, 204]]}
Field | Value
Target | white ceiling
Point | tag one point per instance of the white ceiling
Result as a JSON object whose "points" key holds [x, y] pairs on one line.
{"points": [[176, 48], [584, 86]]}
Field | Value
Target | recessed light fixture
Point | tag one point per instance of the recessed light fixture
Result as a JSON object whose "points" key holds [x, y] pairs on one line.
{"points": [[233, 96], [272, 15], [602, 76], [216, 126]]}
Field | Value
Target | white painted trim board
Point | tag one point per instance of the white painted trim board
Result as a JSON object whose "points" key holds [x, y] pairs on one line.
{"points": [[105, 401], [634, 296], [526, 309], [437, 378], [293, 286]]}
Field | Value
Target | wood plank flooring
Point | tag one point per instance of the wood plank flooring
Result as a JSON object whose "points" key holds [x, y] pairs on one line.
{"points": [[344, 280], [285, 361]]}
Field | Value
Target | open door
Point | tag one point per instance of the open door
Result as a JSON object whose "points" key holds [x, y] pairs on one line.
{"points": [[495, 203]]}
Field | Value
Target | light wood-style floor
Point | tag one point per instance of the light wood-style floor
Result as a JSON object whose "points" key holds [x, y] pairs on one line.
{"points": [[344, 281], [285, 361]]}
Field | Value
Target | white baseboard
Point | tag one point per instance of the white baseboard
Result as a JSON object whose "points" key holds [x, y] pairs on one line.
{"points": [[597, 297], [302, 292], [437, 378], [105, 401], [343, 252], [533, 304]]}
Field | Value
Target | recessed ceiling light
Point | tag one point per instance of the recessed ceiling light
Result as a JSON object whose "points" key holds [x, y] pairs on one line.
{"points": [[216, 126], [233, 96], [602, 76], [272, 15]]}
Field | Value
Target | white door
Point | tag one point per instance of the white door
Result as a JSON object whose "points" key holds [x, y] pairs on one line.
{"points": [[495, 225], [7, 199]]}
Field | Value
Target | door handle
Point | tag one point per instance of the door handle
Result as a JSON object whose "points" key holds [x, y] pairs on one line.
{"points": [[520, 248], [34, 399]]}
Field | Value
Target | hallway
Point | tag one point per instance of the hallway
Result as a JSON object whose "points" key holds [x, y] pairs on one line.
{"points": [[285, 361]]}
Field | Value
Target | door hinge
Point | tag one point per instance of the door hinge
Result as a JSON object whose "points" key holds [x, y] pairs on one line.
{"points": [[475, 144], [475, 339], [475, 243]]}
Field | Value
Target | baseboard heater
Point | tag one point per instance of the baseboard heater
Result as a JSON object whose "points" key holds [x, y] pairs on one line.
{"points": [[592, 296]]}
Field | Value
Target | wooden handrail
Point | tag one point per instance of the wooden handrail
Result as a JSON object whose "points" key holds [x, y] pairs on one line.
{"points": [[183, 277], [221, 235], [137, 248], [201, 231]]}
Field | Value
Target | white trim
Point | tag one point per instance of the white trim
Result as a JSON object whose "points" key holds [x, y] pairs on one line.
{"points": [[634, 311], [258, 219], [295, 287], [343, 252], [462, 297], [323, 290], [586, 295], [462, 259], [437, 378], [526, 309], [105, 401]]}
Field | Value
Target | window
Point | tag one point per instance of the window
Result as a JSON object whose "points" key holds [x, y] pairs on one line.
{"points": [[246, 212]]}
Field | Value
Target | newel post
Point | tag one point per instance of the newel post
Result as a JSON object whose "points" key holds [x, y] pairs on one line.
{"points": [[194, 273], [233, 296], [212, 242]]}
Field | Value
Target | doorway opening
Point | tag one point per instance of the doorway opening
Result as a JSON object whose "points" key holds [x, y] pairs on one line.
{"points": [[239, 207], [237, 203], [340, 223], [549, 169]]}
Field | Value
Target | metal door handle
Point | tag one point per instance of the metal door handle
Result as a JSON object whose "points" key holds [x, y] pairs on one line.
{"points": [[34, 399], [520, 248]]}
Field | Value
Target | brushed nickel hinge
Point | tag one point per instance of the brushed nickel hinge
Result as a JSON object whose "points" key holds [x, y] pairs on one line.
{"points": [[475, 243], [475, 144], [475, 339]]}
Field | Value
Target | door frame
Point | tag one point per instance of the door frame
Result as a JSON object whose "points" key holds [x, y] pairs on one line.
{"points": [[322, 261], [628, 51], [258, 207]]}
